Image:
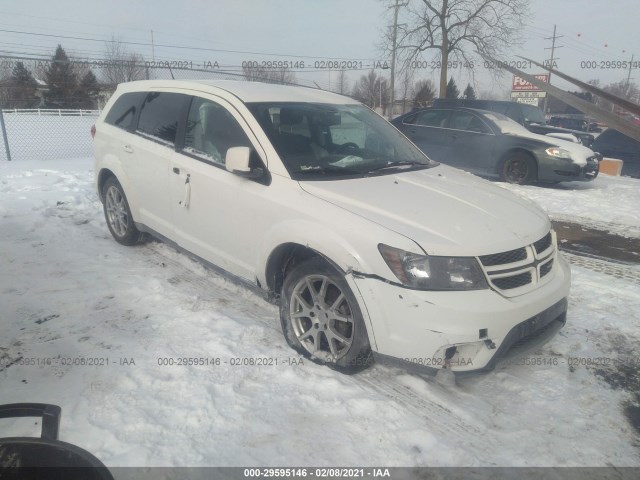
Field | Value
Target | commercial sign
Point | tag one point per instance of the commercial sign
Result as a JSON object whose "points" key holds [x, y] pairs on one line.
{"points": [[528, 94], [521, 85]]}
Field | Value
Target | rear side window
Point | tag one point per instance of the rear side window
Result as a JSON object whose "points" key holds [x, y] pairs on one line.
{"points": [[123, 112], [160, 115]]}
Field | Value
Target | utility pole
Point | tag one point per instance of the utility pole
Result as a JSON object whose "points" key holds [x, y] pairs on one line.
{"points": [[153, 48], [396, 7], [551, 59], [629, 75]]}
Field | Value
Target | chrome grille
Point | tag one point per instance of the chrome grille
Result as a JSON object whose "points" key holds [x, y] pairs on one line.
{"points": [[518, 271]]}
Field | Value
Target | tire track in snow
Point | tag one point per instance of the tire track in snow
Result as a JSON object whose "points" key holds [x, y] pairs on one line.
{"points": [[623, 271]]}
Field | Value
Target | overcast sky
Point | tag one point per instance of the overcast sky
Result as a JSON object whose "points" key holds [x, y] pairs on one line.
{"points": [[304, 30]]}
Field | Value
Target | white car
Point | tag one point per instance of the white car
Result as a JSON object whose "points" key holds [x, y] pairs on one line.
{"points": [[372, 249]]}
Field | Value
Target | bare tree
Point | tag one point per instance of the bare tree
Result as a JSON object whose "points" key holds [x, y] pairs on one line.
{"points": [[406, 86], [627, 90], [343, 82], [259, 73], [457, 29], [120, 65], [372, 90]]}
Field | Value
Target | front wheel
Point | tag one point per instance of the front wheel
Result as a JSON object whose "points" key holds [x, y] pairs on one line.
{"points": [[118, 214], [519, 168], [321, 318]]}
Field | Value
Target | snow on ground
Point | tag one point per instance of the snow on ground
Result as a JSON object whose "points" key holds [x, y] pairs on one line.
{"points": [[607, 203], [69, 292]]}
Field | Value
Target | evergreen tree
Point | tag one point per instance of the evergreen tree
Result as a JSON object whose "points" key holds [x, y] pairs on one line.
{"points": [[469, 93], [22, 88], [88, 91], [424, 93], [61, 81], [452, 89]]}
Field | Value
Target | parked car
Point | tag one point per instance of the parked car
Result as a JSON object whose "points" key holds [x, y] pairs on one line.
{"points": [[369, 247], [575, 123], [613, 144], [529, 116], [490, 144]]}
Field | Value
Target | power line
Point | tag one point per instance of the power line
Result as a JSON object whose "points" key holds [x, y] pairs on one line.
{"points": [[182, 47]]}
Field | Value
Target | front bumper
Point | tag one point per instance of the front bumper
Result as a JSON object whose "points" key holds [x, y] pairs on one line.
{"points": [[467, 331], [558, 170]]}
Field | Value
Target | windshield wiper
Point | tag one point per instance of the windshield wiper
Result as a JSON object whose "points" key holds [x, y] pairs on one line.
{"points": [[403, 163], [329, 169]]}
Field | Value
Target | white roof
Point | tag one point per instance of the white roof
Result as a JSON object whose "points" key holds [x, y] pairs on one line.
{"points": [[246, 91]]}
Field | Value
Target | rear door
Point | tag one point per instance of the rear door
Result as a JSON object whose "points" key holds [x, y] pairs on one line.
{"points": [[426, 130], [152, 149]]}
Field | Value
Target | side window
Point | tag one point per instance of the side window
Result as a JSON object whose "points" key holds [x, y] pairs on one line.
{"points": [[123, 112], [432, 118], [211, 131], [467, 121], [160, 115]]}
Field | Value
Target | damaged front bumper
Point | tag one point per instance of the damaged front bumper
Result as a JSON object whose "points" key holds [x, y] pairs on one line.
{"points": [[465, 331]]}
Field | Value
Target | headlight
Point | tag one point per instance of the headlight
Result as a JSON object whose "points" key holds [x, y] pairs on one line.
{"points": [[558, 153], [424, 272]]}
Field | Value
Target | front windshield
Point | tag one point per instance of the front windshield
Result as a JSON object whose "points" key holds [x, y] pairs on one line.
{"points": [[320, 141], [507, 125], [533, 115]]}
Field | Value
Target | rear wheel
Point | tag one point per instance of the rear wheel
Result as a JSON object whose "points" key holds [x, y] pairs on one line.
{"points": [[321, 318], [118, 214], [519, 168]]}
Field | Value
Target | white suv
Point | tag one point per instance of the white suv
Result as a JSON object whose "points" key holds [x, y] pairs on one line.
{"points": [[372, 249]]}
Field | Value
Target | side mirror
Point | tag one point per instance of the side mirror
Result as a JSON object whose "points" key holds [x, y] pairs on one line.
{"points": [[237, 162]]}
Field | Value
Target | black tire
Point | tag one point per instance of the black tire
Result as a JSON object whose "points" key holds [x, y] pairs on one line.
{"points": [[519, 168], [118, 214], [351, 357]]}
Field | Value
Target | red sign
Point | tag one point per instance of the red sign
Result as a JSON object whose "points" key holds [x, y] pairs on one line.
{"points": [[521, 85]]}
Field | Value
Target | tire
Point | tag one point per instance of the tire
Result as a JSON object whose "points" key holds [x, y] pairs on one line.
{"points": [[326, 327], [519, 168], [118, 214]]}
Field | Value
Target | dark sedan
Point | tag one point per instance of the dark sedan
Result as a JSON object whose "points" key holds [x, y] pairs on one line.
{"points": [[493, 145]]}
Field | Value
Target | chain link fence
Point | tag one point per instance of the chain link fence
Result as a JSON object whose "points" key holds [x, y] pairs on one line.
{"points": [[46, 134]]}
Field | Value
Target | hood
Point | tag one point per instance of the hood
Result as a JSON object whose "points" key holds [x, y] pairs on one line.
{"points": [[445, 210]]}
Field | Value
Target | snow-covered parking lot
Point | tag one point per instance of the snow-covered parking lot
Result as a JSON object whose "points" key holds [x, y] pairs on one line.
{"points": [[70, 296]]}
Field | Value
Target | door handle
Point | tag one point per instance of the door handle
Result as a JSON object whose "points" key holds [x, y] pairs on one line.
{"points": [[128, 149], [176, 170]]}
